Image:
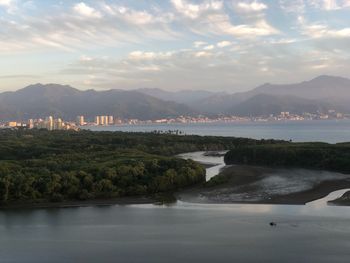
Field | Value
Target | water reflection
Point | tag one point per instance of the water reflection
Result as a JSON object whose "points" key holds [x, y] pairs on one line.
{"points": [[315, 208], [181, 232]]}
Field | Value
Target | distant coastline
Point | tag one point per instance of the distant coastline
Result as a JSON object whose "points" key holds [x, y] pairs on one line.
{"points": [[331, 131]]}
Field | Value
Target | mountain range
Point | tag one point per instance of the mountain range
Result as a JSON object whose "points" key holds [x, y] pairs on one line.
{"points": [[40, 100], [317, 95]]}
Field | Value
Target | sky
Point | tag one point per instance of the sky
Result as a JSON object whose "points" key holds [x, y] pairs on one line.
{"points": [[211, 45]]}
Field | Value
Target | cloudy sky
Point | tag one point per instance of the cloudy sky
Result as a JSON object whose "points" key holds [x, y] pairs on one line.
{"points": [[177, 44]]}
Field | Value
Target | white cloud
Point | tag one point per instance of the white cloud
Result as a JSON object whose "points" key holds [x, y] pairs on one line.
{"points": [[230, 42], [259, 28], [6, 3], [300, 6], [139, 17], [87, 11], [246, 64], [9, 5], [296, 6], [73, 29], [223, 44], [282, 41], [213, 18], [200, 54], [329, 5], [209, 47], [198, 44], [251, 6], [135, 16], [141, 55], [346, 3], [193, 11], [320, 30], [149, 68], [85, 58]]}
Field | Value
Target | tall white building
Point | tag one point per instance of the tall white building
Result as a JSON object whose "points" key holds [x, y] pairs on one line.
{"points": [[105, 120], [49, 123], [30, 124], [97, 120], [58, 124], [110, 120], [102, 120], [80, 120]]}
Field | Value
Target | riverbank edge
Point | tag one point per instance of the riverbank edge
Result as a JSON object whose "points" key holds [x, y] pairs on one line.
{"points": [[87, 203], [319, 191], [341, 201], [316, 193], [157, 199], [297, 199]]}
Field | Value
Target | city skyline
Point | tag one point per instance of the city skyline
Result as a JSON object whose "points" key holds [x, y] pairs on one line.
{"points": [[177, 44]]}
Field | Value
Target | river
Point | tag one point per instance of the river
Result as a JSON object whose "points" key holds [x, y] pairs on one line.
{"points": [[182, 232]]}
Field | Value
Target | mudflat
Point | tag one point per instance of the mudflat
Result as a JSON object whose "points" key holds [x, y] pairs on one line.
{"points": [[254, 184]]}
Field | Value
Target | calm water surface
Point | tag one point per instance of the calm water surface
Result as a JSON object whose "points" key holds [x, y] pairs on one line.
{"points": [[331, 131], [189, 232], [182, 232]]}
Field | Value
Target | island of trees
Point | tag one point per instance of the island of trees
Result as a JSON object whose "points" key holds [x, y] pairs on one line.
{"points": [[55, 166]]}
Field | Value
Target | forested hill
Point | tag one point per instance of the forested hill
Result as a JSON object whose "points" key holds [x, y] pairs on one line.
{"points": [[38, 101], [39, 165]]}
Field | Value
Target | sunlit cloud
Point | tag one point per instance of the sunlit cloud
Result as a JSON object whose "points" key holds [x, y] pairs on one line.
{"points": [[252, 6], [6, 3], [86, 11], [208, 44], [223, 44]]}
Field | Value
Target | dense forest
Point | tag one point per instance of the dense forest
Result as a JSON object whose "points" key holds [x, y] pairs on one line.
{"points": [[41, 165], [332, 157]]}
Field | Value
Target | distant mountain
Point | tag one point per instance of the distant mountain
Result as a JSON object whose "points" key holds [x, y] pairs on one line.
{"points": [[323, 90], [319, 94], [323, 87], [217, 104], [265, 104], [182, 96], [64, 101]]}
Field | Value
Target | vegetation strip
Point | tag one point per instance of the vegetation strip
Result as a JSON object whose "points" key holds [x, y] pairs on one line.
{"points": [[40, 166]]}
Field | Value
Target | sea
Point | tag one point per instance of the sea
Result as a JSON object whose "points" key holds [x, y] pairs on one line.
{"points": [[189, 232], [331, 131]]}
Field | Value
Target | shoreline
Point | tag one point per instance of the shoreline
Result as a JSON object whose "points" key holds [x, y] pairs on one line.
{"points": [[241, 185], [343, 200], [90, 125], [87, 203], [236, 176], [298, 198]]}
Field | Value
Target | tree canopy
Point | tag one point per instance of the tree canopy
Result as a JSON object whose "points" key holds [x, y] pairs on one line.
{"points": [[38, 165]]}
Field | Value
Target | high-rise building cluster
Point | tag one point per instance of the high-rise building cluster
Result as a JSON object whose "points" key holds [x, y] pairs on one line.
{"points": [[104, 120], [50, 124]]}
